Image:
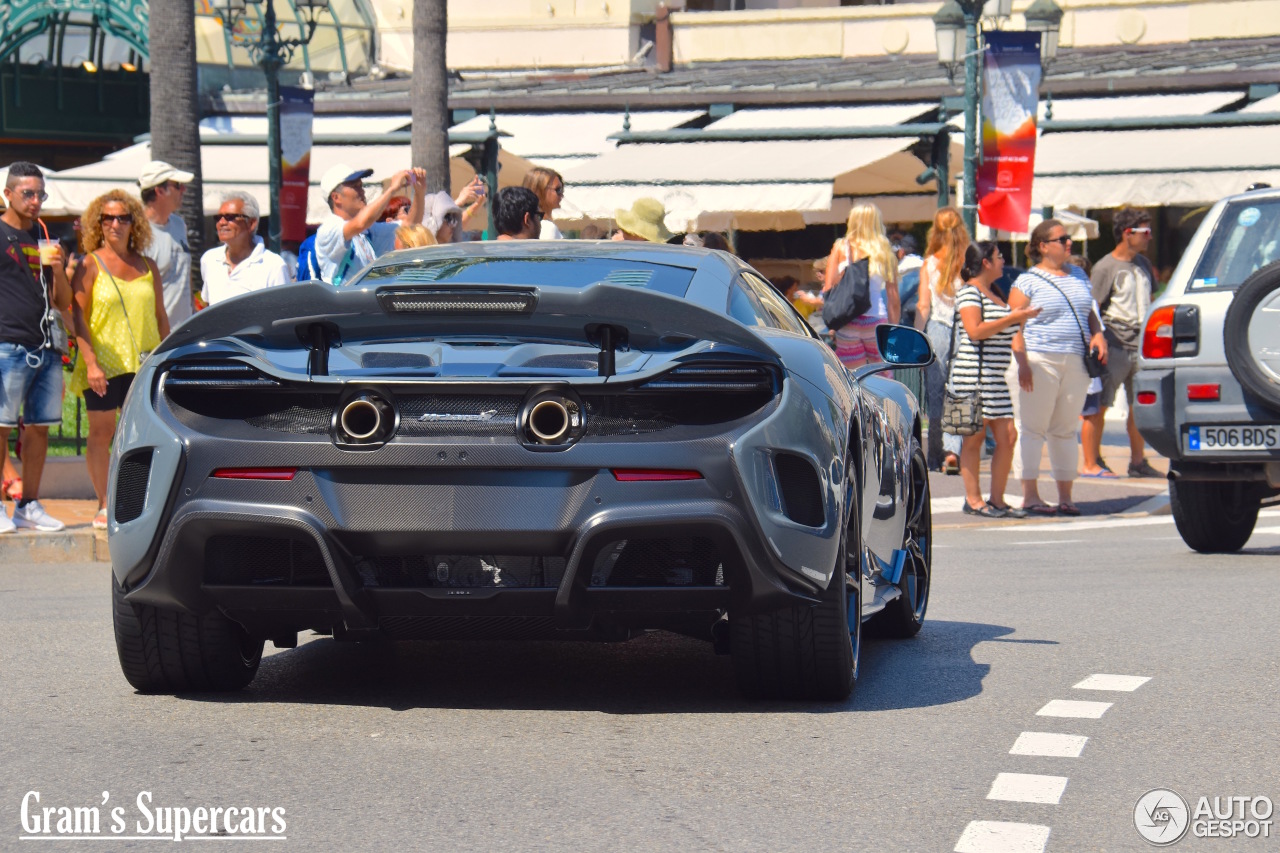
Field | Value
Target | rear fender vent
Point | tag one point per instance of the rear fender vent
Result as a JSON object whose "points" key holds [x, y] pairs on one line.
{"points": [[217, 376], [263, 561], [131, 485], [801, 490]]}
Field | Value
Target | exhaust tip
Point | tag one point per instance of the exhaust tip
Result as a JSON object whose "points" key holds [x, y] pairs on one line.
{"points": [[549, 421], [364, 420]]}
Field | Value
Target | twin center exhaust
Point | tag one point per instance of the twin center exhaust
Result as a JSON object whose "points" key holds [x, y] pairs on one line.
{"points": [[366, 420]]}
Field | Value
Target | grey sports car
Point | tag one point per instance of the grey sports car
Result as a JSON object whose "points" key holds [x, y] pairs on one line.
{"points": [[518, 440]]}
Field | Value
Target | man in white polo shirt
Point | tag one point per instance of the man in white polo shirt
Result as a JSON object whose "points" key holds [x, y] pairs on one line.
{"points": [[351, 236], [162, 188], [242, 264]]}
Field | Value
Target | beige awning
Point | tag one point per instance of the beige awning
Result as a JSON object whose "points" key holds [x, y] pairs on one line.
{"points": [[1152, 168], [244, 167]]}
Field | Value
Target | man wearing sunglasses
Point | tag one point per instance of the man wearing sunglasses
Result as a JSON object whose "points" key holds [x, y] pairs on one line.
{"points": [[1122, 283], [163, 188], [243, 263], [351, 236], [30, 369]]}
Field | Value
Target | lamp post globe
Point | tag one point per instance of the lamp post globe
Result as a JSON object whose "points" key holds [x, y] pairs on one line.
{"points": [[1045, 17]]}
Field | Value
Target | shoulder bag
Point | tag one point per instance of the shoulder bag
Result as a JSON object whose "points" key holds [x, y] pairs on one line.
{"points": [[1092, 361], [962, 413], [851, 297]]}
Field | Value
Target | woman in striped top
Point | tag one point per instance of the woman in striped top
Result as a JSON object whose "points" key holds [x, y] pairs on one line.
{"points": [[1049, 364], [985, 329]]}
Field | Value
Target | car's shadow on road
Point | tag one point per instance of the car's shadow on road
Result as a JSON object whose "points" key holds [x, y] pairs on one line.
{"points": [[655, 674]]}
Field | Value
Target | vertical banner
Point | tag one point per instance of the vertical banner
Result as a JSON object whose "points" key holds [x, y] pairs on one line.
{"points": [[1010, 98], [296, 106]]}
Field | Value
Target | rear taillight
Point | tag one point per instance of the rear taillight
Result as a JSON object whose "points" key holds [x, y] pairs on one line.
{"points": [[255, 473], [1172, 331], [1208, 392], [652, 475], [1157, 340]]}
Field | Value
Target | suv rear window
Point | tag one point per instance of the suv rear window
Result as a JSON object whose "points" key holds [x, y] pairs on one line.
{"points": [[1246, 238], [561, 272]]}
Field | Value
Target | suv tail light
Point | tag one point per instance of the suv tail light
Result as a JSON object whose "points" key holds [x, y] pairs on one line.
{"points": [[1172, 331]]}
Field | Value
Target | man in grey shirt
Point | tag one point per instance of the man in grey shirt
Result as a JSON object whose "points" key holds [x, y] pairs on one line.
{"points": [[162, 189], [1122, 284]]}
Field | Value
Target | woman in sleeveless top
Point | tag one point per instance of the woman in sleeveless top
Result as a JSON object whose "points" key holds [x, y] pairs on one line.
{"points": [[935, 314], [985, 328], [865, 238], [119, 317]]}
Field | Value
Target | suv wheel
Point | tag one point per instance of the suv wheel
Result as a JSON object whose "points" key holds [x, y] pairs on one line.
{"points": [[1214, 518], [806, 651], [1251, 335], [170, 651]]}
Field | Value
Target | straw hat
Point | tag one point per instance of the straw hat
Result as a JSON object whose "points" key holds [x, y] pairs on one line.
{"points": [[644, 219]]}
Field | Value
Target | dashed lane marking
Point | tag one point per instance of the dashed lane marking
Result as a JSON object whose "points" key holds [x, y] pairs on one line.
{"points": [[1111, 522], [1049, 744], [1071, 708], [1028, 788], [1119, 683], [994, 836]]}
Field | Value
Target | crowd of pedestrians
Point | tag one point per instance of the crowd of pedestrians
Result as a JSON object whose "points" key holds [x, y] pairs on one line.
{"points": [[131, 281]]}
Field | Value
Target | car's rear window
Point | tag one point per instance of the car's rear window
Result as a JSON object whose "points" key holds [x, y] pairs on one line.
{"points": [[1246, 238], [557, 272]]}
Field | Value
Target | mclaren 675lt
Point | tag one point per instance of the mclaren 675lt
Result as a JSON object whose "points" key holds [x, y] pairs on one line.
{"points": [[518, 441]]}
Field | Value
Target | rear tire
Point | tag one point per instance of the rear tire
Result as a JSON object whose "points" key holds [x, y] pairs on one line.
{"points": [[170, 651], [1214, 518], [806, 651]]}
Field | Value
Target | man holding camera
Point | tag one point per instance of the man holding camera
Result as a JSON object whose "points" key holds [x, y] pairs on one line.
{"points": [[351, 236]]}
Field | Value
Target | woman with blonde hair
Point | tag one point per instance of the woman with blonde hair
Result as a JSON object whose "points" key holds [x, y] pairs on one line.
{"points": [[548, 186], [119, 318], [935, 313], [865, 238], [414, 237]]}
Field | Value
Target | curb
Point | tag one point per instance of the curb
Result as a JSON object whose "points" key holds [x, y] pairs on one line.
{"points": [[73, 545]]}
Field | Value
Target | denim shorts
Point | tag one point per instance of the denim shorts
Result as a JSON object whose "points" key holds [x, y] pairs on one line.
{"points": [[33, 392]]}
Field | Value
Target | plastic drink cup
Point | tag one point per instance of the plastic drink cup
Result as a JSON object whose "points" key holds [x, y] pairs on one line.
{"points": [[48, 252]]}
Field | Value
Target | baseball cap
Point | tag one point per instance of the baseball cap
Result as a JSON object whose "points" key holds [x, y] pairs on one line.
{"points": [[157, 172], [341, 173]]}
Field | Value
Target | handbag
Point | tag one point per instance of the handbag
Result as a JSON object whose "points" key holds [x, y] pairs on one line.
{"points": [[962, 413], [1093, 364], [851, 297]]}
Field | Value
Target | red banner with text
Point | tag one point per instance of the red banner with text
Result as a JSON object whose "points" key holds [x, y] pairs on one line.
{"points": [[1010, 99], [296, 108]]}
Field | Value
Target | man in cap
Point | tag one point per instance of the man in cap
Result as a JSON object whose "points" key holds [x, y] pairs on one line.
{"points": [[162, 188], [243, 263], [351, 236]]}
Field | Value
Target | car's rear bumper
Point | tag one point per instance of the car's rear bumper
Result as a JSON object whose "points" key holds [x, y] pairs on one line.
{"points": [[1164, 423]]}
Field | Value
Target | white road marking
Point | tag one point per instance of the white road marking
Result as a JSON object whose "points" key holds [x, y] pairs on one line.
{"points": [[1110, 522], [1071, 708], [1028, 788], [943, 505], [1046, 542], [1121, 683], [1257, 530], [1049, 744], [994, 836]]}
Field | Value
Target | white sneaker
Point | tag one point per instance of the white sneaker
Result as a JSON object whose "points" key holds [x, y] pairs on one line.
{"points": [[33, 516], [6, 523]]}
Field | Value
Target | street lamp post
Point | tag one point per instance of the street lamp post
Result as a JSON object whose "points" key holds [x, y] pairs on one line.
{"points": [[958, 25], [271, 53]]}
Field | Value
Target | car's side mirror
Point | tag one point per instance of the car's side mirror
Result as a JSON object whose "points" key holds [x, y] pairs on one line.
{"points": [[902, 346]]}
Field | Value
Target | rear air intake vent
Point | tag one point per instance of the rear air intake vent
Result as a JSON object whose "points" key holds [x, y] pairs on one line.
{"points": [[395, 360], [131, 485], [217, 375], [801, 491], [263, 561], [740, 377]]}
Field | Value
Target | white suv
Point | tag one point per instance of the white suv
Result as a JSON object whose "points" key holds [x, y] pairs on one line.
{"points": [[1208, 388]]}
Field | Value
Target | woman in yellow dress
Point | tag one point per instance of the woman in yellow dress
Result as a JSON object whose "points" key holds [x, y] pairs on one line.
{"points": [[119, 318]]}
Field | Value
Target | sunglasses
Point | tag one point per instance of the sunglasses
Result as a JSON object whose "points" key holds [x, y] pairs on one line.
{"points": [[121, 218], [40, 194], [1144, 230], [230, 217], [1063, 240], [558, 190]]}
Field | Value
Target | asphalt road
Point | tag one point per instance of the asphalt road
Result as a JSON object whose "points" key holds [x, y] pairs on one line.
{"points": [[646, 745]]}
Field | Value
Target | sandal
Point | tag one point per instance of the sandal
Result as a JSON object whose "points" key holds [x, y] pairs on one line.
{"points": [[1041, 509], [1103, 473], [951, 465], [987, 511], [1070, 510], [100, 520], [1009, 511], [11, 489]]}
